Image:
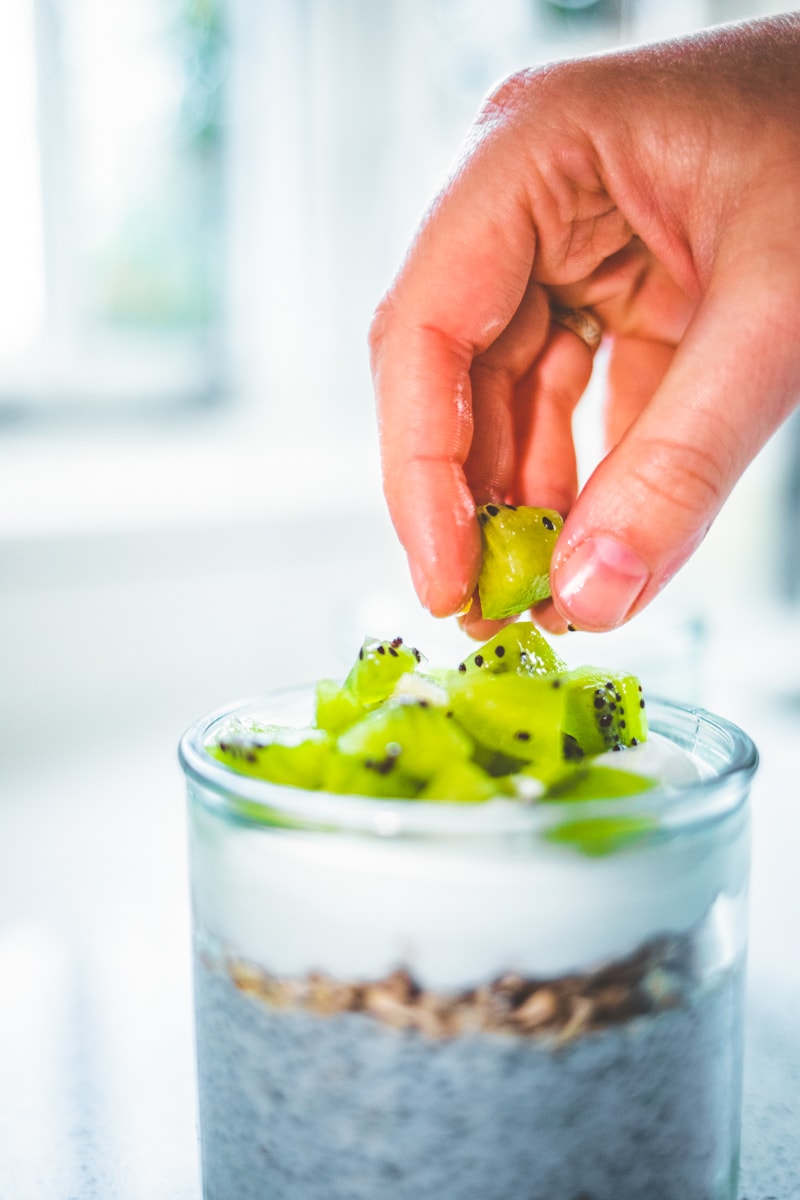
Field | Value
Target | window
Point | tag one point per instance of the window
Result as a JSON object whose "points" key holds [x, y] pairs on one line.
{"points": [[112, 208]]}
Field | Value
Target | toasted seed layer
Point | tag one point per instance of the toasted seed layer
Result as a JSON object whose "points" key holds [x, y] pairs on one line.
{"points": [[651, 979]]}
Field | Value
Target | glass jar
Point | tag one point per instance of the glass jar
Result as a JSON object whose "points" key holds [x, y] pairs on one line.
{"points": [[412, 999]]}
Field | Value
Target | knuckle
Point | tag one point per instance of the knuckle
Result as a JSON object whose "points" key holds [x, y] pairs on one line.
{"points": [[511, 94], [684, 476], [528, 87]]}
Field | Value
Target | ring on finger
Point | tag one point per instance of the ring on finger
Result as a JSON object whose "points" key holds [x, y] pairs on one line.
{"points": [[582, 322]]}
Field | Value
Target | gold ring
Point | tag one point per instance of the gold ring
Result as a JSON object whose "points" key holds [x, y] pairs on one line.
{"points": [[582, 322]]}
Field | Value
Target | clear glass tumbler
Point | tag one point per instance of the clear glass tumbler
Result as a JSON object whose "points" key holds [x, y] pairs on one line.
{"points": [[408, 1000]]}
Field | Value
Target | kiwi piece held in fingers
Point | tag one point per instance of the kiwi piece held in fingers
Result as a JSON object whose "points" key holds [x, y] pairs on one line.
{"points": [[517, 543]]}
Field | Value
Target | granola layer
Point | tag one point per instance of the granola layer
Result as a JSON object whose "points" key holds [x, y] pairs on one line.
{"points": [[651, 979]]}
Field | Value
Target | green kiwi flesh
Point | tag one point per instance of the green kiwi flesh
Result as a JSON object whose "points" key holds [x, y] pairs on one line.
{"points": [[336, 708], [509, 721], [378, 667], [516, 715], [351, 775], [520, 647], [465, 782], [598, 836], [517, 546], [413, 738], [592, 781], [604, 710], [278, 753]]}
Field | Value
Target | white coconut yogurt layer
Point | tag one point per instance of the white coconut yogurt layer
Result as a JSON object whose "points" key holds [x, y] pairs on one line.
{"points": [[456, 912]]}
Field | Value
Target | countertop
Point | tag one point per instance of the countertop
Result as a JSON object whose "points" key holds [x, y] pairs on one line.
{"points": [[97, 1089]]}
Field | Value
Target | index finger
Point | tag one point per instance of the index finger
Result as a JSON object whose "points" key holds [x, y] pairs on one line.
{"points": [[459, 288]]}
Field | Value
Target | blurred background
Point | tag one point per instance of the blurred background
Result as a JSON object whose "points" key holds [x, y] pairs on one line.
{"points": [[202, 202]]}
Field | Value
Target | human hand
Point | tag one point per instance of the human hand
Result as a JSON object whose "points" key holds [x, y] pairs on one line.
{"points": [[658, 188]]}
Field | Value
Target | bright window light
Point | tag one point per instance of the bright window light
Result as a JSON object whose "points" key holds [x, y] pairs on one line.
{"points": [[22, 294]]}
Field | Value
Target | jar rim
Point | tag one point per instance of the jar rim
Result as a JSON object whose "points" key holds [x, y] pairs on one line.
{"points": [[726, 754]]}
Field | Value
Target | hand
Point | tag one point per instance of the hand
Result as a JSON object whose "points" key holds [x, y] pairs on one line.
{"points": [[658, 188]]}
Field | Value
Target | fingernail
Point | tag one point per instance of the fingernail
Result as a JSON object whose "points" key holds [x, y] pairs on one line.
{"points": [[599, 583]]}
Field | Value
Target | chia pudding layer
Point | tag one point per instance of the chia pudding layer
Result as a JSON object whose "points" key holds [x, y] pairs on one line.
{"points": [[615, 1085]]}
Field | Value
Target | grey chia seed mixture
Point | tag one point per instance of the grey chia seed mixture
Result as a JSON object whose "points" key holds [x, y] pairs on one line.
{"points": [[621, 1084]]}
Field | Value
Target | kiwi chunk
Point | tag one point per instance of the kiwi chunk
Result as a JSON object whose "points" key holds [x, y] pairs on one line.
{"points": [[409, 738], [336, 708], [347, 774], [597, 782], [519, 716], [378, 667], [520, 649], [598, 836], [518, 544], [510, 721], [281, 754], [604, 710], [462, 783]]}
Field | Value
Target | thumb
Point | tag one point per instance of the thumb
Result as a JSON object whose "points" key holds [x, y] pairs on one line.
{"points": [[650, 502]]}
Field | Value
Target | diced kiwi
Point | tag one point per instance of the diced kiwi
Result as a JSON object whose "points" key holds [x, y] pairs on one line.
{"points": [[378, 667], [347, 774], [519, 649], [597, 782], [515, 715], [604, 710], [462, 782], [518, 544], [279, 753], [336, 708], [597, 836], [510, 720], [498, 764], [411, 738]]}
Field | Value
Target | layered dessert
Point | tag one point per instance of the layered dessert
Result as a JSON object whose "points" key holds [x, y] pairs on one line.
{"points": [[469, 933]]}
